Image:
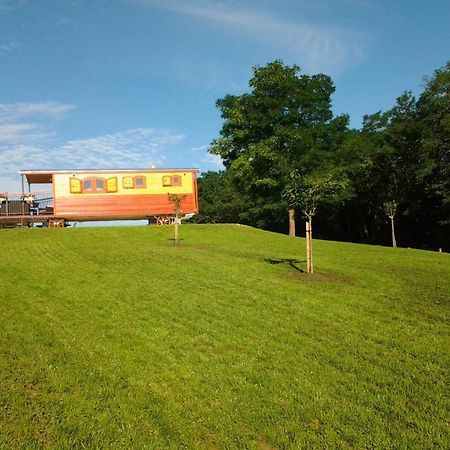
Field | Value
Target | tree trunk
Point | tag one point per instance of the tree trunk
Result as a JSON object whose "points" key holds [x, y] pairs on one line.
{"points": [[176, 240], [291, 223], [394, 241]]}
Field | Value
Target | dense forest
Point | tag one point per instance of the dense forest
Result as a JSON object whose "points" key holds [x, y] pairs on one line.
{"points": [[288, 158]]}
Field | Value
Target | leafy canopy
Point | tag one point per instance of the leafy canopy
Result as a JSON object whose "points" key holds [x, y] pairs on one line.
{"points": [[284, 122]]}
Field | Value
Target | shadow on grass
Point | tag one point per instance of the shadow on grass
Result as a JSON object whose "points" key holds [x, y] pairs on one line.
{"points": [[291, 262]]}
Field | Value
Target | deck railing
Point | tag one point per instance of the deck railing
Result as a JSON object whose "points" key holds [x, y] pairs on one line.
{"points": [[26, 204]]}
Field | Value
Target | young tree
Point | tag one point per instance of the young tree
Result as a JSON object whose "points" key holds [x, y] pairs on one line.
{"points": [[177, 200], [390, 209], [309, 192], [285, 118]]}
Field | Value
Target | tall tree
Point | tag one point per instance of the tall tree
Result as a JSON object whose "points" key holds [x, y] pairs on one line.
{"points": [[284, 122], [434, 113], [433, 110]]}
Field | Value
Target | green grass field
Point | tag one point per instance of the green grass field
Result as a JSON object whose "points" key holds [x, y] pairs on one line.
{"points": [[116, 338]]}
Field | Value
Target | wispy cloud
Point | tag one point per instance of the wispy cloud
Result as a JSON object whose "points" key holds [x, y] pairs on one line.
{"points": [[25, 133], [130, 148], [15, 111], [212, 162], [136, 147], [32, 144], [7, 47], [322, 47], [201, 158], [20, 133]]}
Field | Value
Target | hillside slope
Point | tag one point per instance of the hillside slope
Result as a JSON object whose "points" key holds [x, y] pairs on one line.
{"points": [[116, 338]]}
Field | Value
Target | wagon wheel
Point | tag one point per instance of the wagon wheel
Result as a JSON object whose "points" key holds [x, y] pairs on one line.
{"points": [[56, 223]]}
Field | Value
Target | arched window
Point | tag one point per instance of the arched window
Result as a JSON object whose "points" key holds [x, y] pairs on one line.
{"points": [[171, 180], [140, 182], [94, 184]]}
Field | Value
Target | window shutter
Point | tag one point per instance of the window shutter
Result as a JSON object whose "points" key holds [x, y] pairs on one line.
{"points": [[111, 184], [75, 185], [127, 182]]}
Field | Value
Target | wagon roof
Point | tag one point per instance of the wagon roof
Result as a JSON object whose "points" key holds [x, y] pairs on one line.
{"points": [[46, 176]]}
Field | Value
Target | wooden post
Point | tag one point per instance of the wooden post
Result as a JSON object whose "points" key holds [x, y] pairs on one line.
{"points": [[311, 263], [308, 254], [177, 222], [22, 201]]}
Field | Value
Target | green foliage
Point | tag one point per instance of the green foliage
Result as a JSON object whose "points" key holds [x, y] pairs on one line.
{"points": [[114, 338], [309, 191], [390, 208], [219, 201], [177, 200], [434, 114], [401, 156], [285, 122]]}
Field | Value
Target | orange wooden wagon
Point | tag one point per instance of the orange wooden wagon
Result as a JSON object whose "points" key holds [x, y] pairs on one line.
{"points": [[93, 195]]}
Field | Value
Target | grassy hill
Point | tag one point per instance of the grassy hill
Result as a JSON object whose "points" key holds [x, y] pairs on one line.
{"points": [[116, 338]]}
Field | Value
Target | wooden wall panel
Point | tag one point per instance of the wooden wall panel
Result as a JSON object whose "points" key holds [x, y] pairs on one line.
{"points": [[109, 206]]}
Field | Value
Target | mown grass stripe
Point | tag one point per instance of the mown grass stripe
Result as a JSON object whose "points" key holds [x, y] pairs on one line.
{"points": [[116, 338]]}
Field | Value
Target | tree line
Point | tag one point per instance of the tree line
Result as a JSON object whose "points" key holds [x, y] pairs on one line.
{"points": [[286, 156]]}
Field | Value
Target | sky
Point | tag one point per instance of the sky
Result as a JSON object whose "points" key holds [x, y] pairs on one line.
{"points": [[125, 83]]}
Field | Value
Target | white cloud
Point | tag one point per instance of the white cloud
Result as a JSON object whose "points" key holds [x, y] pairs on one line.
{"points": [[24, 142], [15, 133], [213, 162], [15, 111], [322, 48], [196, 150], [32, 144], [138, 147], [201, 158], [127, 149], [5, 48]]}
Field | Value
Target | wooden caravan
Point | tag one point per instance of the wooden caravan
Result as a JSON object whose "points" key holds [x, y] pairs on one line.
{"points": [[91, 195]]}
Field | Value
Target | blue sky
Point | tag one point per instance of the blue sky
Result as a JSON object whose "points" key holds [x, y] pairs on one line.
{"points": [[123, 83]]}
